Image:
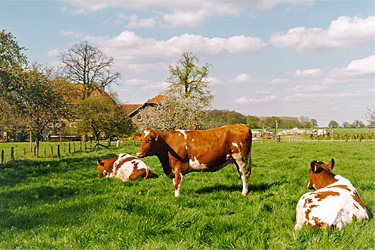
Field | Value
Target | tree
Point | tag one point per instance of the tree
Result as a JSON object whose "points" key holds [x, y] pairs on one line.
{"points": [[179, 112], [186, 98], [370, 116], [252, 121], [189, 79], [31, 96], [89, 66], [314, 123], [102, 114], [357, 124], [333, 124]]}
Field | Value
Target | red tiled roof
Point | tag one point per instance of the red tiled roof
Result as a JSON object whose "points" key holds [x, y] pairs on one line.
{"points": [[156, 99], [129, 108]]}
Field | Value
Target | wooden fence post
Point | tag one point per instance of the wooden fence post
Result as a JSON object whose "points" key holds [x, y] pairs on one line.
{"points": [[69, 147], [52, 151], [44, 153], [58, 151], [12, 153], [118, 143], [24, 153], [2, 156], [80, 146], [36, 153], [74, 147]]}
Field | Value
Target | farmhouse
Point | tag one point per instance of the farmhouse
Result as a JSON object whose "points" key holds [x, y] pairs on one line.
{"points": [[140, 113]]}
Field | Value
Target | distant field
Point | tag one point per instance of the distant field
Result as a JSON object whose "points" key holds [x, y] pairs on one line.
{"points": [[62, 204]]}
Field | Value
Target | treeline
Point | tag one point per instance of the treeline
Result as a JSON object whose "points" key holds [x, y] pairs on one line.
{"points": [[218, 118]]}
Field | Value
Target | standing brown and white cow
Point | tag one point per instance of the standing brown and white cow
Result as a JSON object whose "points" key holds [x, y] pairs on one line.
{"points": [[181, 152]]}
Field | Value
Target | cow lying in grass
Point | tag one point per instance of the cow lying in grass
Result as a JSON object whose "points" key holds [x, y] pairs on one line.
{"points": [[124, 167], [334, 203]]}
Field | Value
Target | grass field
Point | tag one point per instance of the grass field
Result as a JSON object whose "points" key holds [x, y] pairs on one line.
{"points": [[62, 204]]}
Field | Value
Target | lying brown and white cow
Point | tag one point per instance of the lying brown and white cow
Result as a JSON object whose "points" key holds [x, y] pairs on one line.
{"points": [[334, 203], [181, 152], [124, 167]]}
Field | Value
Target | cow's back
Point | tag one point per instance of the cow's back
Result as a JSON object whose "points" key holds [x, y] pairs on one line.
{"points": [[335, 205], [211, 149]]}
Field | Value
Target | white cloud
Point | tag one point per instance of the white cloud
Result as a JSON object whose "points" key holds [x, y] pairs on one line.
{"points": [[53, 52], [215, 6], [362, 66], [308, 73], [345, 32], [190, 19], [138, 53], [136, 22], [360, 71], [246, 100], [243, 78], [179, 13], [277, 81]]}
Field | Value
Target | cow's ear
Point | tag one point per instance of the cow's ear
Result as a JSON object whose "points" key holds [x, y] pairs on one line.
{"points": [[100, 162], [331, 164], [137, 136], [316, 167]]}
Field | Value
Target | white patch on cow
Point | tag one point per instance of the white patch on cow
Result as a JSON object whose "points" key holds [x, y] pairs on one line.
{"points": [[146, 132], [183, 132], [186, 147], [124, 170], [336, 209], [177, 191], [195, 165]]}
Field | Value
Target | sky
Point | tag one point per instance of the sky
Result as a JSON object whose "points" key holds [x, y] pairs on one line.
{"points": [[267, 57]]}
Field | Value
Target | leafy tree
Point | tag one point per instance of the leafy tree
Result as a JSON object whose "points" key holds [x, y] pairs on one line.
{"points": [[252, 121], [333, 124], [314, 123], [101, 114], [188, 79], [357, 124], [89, 66], [186, 98], [346, 125], [31, 95]]}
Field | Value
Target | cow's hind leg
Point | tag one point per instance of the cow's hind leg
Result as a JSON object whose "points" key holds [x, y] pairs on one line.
{"points": [[244, 168], [177, 181]]}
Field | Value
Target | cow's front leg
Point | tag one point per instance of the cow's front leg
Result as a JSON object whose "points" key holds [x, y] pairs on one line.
{"points": [[177, 181]]}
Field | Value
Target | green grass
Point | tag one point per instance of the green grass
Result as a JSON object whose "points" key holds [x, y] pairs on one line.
{"points": [[61, 204]]}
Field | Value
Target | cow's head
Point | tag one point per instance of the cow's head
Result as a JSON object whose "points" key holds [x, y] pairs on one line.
{"points": [[149, 140], [320, 174], [104, 166]]}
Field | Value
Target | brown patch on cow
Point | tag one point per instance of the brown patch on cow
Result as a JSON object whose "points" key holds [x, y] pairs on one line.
{"points": [[131, 158], [343, 187], [136, 173], [359, 201], [322, 195], [306, 202], [106, 164]]}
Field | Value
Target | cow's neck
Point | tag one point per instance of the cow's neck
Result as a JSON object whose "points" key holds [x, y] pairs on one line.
{"points": [[326, 178], [163, 154]]}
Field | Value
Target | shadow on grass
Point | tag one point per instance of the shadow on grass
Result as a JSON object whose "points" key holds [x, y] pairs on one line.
{"points": [[236, 188]]}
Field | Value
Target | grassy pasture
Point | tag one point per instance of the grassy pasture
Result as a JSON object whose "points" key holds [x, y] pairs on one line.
{"points": [[60, 203]]}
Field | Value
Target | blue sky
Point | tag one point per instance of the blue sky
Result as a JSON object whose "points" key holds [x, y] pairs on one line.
{"points": [[280, 57]]}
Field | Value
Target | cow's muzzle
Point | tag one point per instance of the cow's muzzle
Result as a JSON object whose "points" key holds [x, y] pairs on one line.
{"points": [[139, 155]]}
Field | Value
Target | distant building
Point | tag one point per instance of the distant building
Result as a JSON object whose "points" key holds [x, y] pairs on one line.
{"points": [[140, 113]]}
